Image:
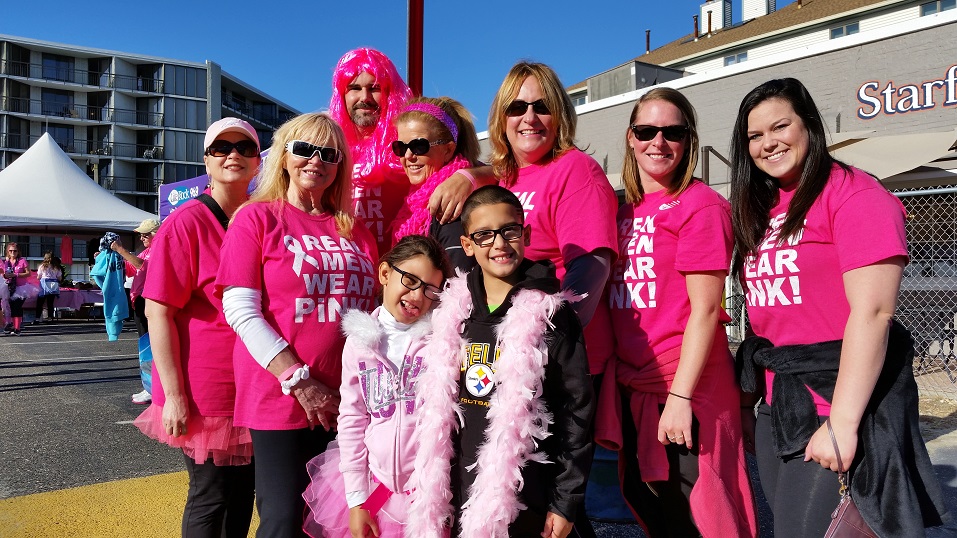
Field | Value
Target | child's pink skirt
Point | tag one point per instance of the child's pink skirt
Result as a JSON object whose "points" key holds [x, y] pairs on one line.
{"points": [[206, 437], [327, 514]]}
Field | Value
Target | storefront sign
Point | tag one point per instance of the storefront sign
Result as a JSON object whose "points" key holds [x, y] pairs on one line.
{"points": [[908, 97]]}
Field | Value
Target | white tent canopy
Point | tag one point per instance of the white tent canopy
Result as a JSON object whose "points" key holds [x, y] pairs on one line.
{"points": [[45, 191]]}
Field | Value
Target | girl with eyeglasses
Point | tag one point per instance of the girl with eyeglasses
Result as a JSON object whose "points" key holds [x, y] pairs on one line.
{"points": [[679, 439], [435, 139], [820, 249], [14, 268], [193, 384], [297, 261], [361, 487]]}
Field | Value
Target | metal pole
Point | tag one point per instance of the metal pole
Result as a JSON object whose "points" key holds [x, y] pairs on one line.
{"points": [[416, 11], [705, 165]]}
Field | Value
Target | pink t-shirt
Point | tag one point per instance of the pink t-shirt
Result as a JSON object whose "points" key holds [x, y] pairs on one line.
{"points": [[795, 290], [378, 205], [661, 240], [184, 259], [309, 275], [139, 275], [571, 206]]}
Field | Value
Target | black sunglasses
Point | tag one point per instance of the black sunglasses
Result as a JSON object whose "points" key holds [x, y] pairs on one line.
{"points": [[419, 146], [672, 133], [519, 108], [222, 148], [484, 238], [413, 283], [305, 150]]}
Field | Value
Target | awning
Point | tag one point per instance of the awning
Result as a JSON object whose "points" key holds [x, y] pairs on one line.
{"points": [[886, 156]]}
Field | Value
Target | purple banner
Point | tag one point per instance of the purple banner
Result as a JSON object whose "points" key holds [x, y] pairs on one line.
{"points": [[174, 195]]}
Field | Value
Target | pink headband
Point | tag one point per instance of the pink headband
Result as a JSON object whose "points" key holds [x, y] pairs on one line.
{"points": [[436, 113]]}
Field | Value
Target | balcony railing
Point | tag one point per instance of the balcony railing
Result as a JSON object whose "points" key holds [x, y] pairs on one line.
{"points": [[80, 76], [81, 112], [272, 121], [88, 147], [131, 184]]}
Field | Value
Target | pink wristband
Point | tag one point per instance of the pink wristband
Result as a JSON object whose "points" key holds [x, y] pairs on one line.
{"points": [[468, 175], [289, 371]]}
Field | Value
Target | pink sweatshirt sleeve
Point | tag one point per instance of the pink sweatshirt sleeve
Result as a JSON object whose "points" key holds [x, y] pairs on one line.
{"points": [[353, 422]]}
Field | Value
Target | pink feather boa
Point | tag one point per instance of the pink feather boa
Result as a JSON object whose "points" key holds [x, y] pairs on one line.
{"points": [[416, 207], [517, 416]]}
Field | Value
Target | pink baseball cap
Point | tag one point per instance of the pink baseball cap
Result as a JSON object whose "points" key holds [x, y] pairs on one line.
{"points": [[229, 125]]}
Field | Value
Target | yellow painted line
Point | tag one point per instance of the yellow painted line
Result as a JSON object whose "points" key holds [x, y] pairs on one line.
{"points": [[150, 507]]}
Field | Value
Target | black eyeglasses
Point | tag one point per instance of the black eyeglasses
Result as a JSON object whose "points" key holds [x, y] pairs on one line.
{"points": [[419, 146], [305, 150], [519, 108], [222, 148], [484, 238], [672, 133], [413, 283]]}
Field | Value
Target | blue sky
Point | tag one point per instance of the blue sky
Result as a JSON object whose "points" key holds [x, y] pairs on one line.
{"points": [[289, 49]]}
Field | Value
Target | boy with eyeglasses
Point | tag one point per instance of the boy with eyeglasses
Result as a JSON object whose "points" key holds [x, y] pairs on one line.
{"points": [[505, 404]]}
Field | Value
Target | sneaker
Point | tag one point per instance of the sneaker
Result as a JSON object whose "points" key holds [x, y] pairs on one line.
{"points": [[142, 398], [16, 332], [8, 329]]}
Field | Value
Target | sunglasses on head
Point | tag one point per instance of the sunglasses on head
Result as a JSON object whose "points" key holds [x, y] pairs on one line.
{"points": [[672, 133], [222, 148], [305, 150], [519, 108], [418, 146]]}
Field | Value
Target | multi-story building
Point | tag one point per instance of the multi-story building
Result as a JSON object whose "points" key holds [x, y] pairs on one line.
{"points": [[131, 121]]}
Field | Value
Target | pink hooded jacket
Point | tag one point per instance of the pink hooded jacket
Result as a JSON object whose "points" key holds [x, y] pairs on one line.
{"points": [[376, 412]]}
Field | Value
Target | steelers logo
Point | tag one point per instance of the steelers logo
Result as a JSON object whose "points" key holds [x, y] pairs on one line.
{"points": [[479, 379]]}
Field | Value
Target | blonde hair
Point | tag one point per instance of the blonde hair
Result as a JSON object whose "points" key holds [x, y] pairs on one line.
{"points": [[467, 144], [684, 173], [556, 99], [319, 129]]}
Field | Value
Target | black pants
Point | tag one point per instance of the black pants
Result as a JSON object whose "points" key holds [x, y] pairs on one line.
{"points": [[16, 308], [139, 316], [662, 506], [45, 300], [281, 477], [219, 503], [801, 494]]}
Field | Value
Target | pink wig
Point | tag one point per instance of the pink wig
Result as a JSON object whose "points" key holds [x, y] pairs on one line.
{"points": [[372, 155]]}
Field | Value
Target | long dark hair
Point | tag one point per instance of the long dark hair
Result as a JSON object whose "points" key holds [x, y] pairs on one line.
{"points": [[753, 192]]}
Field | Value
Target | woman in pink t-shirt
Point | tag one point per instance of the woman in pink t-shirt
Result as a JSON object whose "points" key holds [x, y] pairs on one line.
{"points": [[294, 261], [680, 440], [193, 387], [820, 250]]}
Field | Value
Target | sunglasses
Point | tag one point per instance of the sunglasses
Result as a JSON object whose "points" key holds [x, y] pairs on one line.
{"points": [[413, 283], [484, 238], [672, 133], [519, 108], [305, 150], [418, 146], [222, 148]]}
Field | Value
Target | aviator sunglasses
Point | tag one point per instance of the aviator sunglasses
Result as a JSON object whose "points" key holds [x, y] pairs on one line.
{"points": [[672, 133], [418, 146], [305, 150], [519, 108], [222, 148], [413, 283]]}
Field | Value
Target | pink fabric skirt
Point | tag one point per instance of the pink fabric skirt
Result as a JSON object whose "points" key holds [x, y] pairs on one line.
{"points": [[206, 437], [327, 514]]}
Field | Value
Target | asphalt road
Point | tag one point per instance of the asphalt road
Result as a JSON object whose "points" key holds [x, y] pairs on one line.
{"points": [[72, 463]]}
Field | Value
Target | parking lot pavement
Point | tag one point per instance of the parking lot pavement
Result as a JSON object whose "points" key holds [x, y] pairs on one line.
{"points": [[72, 464]]}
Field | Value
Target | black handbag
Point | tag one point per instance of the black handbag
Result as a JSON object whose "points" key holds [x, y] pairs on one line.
{"points": [[846, 520]]}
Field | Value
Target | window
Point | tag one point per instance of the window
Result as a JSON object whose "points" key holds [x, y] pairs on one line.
{"points": [[580, 99], [735, 59], [937, 6], [57, 103], [848, 29], [63, 136], [56, 67]]}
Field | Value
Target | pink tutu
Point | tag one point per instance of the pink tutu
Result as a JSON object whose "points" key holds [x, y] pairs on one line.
{"points": [[327, 514], [206, 437]]}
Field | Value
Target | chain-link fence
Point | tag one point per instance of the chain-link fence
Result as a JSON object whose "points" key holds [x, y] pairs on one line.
{"points": [[928, 299]]}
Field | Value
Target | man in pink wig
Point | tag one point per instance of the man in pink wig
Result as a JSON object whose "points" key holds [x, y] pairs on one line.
{"points": [[367, 96]]}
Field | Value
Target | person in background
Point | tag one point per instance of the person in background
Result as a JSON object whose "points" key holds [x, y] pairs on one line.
{"points": [[14, 268], [820, 250], [435, 139], [679, 438], [367, 96], [49, 276], [193, 384], [297, 259], [136, 265]]}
